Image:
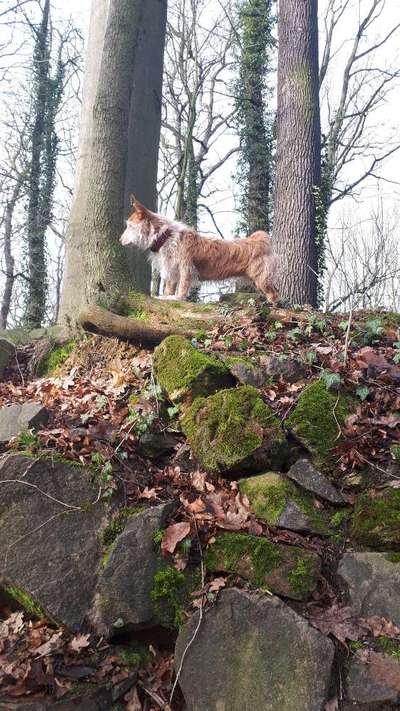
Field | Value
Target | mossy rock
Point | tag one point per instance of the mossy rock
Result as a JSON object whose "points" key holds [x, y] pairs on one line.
{"points": [[376, 520], [285, 570], [316, 419], [184, 372], [171, 594], [234, 430], [278, 501]]}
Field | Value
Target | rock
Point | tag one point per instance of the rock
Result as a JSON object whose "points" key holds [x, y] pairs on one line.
{"points": [[373, 678], [376, 520], [281, 367], [7, 351], [253, 652], [285, 570], [316, 419], [184, 372], [123, 595], [90, 699], [309, 478], [157, 444], [277, 501], [49, 552], [245, 372], [17, 418], [372, 580], [234, 430]]}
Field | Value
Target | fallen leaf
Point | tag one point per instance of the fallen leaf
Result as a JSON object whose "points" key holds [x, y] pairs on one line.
{"points": [[79, 642], [173, 535]]}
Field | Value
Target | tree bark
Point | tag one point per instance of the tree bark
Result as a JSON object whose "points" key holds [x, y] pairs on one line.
{"points": [[118, 149], [298, 181]]}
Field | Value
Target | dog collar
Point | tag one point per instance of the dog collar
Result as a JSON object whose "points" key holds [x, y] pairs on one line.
{"points": [[161, 240]]}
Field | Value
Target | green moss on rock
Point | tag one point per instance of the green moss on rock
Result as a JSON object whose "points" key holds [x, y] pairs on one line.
{"points": [[269, 495], [395, 452], [185, 372], [25, 600], [376, 520], [136, 655], [118, 523], [171, 595], [316, 419], [288, 571], [226, 431]]}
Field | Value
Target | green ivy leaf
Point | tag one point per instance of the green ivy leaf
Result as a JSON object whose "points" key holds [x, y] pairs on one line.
{"points": [[331, 380], [362, 392]]}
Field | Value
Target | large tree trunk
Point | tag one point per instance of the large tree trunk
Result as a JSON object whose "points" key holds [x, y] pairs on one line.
{"points": [[118, 151], [298, 151]]}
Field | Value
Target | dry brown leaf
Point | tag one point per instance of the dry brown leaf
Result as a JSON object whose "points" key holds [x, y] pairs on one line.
{"points": [[173, 535], [79, 642]]}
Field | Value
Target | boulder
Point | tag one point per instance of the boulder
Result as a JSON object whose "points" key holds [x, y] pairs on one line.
{"points": [[234, 430], [309, 478], [7, 351], [253, 653], [17, 418], [316, 419], [372, 581], [285, 570], [245, 371], [49, 537], [281, 367], [376, 520], [277, 501], [123, 600], [373, 678], [184, 372], [157, 444]]}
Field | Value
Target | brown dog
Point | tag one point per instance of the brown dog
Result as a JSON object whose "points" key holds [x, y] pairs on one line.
{"points": [[183, 257]]}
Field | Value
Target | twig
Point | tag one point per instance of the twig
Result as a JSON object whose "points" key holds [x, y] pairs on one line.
{"points": [[189, 644], [33, 486], [346, 343]]}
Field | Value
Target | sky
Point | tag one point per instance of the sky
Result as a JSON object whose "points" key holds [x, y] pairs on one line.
{"points": [[385, 124]]}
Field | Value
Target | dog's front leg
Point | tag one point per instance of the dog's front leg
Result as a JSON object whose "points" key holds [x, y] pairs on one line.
{"points": [[184, 284], [170, 287]]}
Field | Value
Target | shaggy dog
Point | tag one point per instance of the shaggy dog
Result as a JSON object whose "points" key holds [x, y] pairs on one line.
{"points": [[183, 257]]}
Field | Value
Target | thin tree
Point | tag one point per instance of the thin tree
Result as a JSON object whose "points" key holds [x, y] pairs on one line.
{"points": [[255, 125], [298, 178]]}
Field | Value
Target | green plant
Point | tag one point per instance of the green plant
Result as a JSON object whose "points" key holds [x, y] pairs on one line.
{"points": [[168, 594], [396, 357], [331, 380], [141, 423], [373, 330], [103, 473], [28, 441]]}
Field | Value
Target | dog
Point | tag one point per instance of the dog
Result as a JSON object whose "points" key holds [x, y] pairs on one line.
{"points": [[183, 256]]}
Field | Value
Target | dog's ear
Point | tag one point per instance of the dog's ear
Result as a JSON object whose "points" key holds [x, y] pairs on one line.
{"points": [[139, 208]]}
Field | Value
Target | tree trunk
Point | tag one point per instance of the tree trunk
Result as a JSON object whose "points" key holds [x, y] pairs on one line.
{"points": [[37, 271], [8, 257], [118, 149], [298, 181]]}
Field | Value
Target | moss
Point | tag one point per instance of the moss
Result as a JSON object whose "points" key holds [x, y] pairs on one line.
{"points": [[340, 517], [171, 595], [225, 430], [269, 493], [107, 554], [316, 419], [136, 655], [286, 570], [25, 600], [230, 549], [395, 452], [56, 358], [302, 577], [185, 372], [389, 646], [376, 520], [118, 523], [393, 557]]}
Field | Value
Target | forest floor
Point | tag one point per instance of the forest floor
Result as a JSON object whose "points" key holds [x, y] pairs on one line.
{"points": [[102, 399]]}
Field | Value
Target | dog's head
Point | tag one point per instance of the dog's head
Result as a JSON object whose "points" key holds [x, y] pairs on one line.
{"points": [[140, 226]]}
